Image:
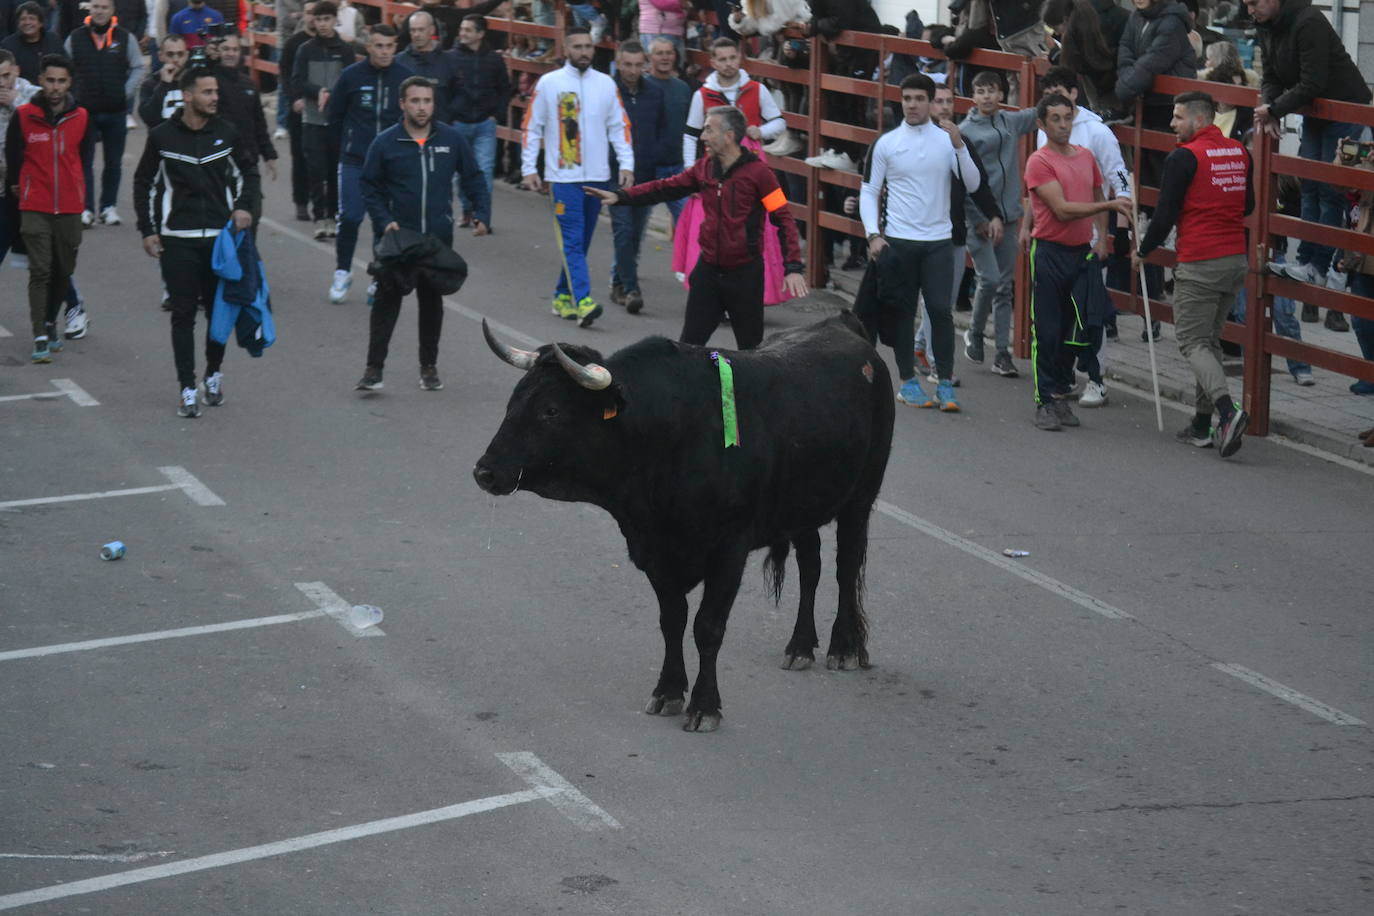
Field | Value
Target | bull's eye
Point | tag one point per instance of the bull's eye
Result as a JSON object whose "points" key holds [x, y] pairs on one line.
{"points": [[550, 412]]}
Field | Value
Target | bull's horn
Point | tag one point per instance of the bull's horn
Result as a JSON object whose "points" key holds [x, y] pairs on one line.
{"points": [[591, 376], [520, 359]]}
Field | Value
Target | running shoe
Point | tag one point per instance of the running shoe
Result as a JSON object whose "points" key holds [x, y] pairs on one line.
{"points": [[343, 279], [87, 219], [973, 346], [1230, 434], [429, 379], [109, 216], [214, 389], [563, 306], [41, 354], [1063, 411], [188, 408], [54, 338], [617, 294], [634, 302], [944, 393], [911, 393], [588, 310], [1198, 435], [1003, 366], [371, 380], [1094, 395], [77, 323], [1047, 419]]}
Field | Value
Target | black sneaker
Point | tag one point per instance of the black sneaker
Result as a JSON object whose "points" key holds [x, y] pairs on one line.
{"points": [[1196, 436], [371, 380], [1047, 418], [854, 262], [973, 346], [1154, 330], [1230, 434], [1064, 412], [429, 379], [303, 213], [1110, 332], [1310, 314], [617, 294], [1335, 321], [1003, 366], [634, 302]]}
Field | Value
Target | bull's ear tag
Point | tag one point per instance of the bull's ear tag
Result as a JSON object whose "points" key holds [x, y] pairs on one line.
{"points": [[609, 413]]}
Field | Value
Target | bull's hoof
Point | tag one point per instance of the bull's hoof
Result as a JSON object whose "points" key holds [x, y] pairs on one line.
{"points": [[701, 722], [664, 706], [797, 662], [842, 662]]}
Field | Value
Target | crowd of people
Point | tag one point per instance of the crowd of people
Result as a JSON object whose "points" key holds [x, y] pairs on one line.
{"points": [[370, 110]]}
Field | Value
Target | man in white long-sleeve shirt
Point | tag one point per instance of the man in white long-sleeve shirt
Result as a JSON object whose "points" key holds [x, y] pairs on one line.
{"points": [[729, 85], [909, 241], [576, 118]]}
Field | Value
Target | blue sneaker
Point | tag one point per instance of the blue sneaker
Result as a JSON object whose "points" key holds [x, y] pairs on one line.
{"points": [[40, 350], [911, 393], [944, 393]]}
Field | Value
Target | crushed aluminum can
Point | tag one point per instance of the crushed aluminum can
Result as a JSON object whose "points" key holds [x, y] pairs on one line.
{"points": [[112, 551]]}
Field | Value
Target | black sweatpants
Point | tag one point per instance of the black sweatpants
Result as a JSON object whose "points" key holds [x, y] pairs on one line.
{"points": [[905, 272], [190, 283], [300, 180], [321, 149], [385, 310], [1054, 318], [715, 292]]}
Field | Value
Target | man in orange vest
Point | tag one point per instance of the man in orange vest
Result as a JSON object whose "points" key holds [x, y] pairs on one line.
{"points": [[1206, 191]]}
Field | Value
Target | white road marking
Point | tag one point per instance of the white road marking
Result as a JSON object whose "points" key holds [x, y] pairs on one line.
{"points": [[1050, 584], [66, 388], [74, 391], [1288, 694], [181, 478], [200, 494], [4, 333], [337, 608], [93, 857], [86, 645], [267, 850], [575, 806]]}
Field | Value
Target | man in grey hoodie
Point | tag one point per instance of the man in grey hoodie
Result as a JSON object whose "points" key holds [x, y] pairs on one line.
{"points": [[994, 134]]}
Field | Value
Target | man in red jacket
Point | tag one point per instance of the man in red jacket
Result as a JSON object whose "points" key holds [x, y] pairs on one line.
{"points": [[1206, 190], [738, 191], [43, 157]]}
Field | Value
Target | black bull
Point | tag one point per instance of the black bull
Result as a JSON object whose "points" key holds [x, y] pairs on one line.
{"points": [[641, 435]]}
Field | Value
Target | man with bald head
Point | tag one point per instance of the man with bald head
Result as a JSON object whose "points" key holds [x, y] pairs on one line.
{"points": [[424, 57]]}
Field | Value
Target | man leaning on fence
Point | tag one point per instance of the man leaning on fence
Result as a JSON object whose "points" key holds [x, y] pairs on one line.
{"points": [[1206, 192]]}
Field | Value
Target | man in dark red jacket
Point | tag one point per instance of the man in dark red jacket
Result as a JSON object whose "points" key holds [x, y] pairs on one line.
{"points": [[43, 162], [1206, 191], [737, 192]]}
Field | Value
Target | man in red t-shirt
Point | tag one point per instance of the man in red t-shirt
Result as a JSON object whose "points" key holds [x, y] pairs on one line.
{"points": [[1067, 207]]}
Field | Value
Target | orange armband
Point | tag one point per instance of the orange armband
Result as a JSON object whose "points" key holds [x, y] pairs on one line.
{"points": [[774, 200]]}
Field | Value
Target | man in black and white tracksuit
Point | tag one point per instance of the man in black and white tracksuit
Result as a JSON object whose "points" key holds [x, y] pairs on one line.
{"points": [[195, 176]]}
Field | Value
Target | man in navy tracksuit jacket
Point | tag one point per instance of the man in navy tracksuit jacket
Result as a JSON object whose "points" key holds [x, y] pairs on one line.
{"points": [[648, 113], [363, 103], [407, 183]]}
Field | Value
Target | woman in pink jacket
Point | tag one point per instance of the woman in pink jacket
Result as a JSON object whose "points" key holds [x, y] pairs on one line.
{"points": [[663, 19]]}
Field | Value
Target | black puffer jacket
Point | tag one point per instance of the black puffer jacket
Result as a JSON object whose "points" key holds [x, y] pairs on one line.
{"points": [[1113, 18], [1304, 60], [1155, 43]]}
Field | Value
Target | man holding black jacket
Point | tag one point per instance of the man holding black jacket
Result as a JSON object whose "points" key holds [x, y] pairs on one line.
{"points": [[194, 164]]}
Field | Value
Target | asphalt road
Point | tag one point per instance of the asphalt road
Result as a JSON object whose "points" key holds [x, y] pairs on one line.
{"points": [[1082, 730]]}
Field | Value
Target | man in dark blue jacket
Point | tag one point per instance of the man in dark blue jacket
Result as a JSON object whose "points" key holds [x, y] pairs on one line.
{"points": [[481, 94], [364, 102], [424, 57], [407, 183], [645, 105]]}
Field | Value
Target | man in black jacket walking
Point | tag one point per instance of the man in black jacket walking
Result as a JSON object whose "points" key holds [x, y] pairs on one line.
{"points": [[318, 65], [193, 166], [481, 93], [1304, 59], [241, 105], [300, 187], [109, 67]]}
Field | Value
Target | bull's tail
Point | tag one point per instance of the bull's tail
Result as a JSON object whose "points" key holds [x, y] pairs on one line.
{"points": [[775, 567]]}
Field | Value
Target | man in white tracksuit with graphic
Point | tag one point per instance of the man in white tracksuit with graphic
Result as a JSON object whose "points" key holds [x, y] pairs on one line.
{"points": [[575, 117]]}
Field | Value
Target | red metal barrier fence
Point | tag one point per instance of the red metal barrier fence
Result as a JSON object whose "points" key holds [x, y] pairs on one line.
{"points": [[1256, 335]]}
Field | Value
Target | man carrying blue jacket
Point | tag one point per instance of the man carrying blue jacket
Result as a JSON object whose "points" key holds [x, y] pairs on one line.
{"points": [[363, 103], [407, 183]]}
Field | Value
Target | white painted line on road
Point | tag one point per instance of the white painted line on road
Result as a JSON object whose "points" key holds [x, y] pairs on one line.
{"points": [[66, 388], [1050, 584], [74, 391], [575, 806], [267, 850], [1288, 694], [337, 608], [86, 645], [200, 494], [4, 333], [122, 857]]}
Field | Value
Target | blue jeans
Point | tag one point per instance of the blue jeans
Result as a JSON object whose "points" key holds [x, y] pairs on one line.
{"points": [[1322, 203], [1363, 285], [1286, 322], [674, 206], [351, 213], [109, 130], [627, 227], [576, 215], [586, 15], [481, 136]]}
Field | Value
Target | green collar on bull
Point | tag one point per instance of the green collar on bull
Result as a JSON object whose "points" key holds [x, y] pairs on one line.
{"points": [[727, 399]]}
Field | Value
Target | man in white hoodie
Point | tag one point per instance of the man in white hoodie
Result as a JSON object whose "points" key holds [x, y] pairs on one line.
{"points": [[575, 117]]}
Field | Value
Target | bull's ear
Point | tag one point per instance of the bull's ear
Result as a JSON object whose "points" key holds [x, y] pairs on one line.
{"points": [[613, 402]]}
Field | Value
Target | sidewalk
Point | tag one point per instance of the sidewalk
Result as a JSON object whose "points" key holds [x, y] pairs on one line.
{"points": [[1325, 416]]}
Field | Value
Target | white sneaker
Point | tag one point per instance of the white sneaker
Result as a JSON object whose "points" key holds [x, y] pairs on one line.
{"points": [[77, 324], [130, 123], [784, 144], [19, 261], [279, 133], [109, 216], [188, 406], [87, 218], [214, 389], [820, 159], [1337, 280], [841, 162], [1094, 395], [343, 279]]}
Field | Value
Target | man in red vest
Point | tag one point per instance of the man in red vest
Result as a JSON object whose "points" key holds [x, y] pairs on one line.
{"points": [[1206, 191], [43, 158]]}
